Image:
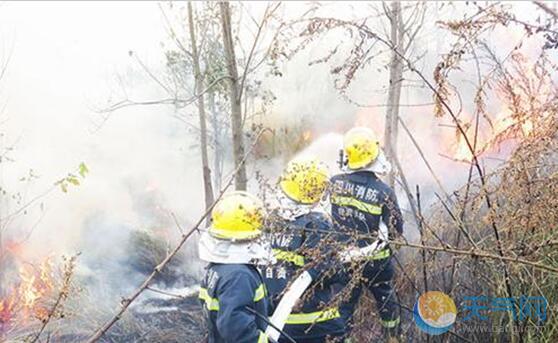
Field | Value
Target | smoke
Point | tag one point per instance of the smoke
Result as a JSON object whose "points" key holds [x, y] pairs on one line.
{"points": [[307, 97], [67, 60]]}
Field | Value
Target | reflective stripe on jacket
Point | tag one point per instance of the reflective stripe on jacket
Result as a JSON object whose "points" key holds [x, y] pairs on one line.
{"points": [[359, 201], [226, 291], [291, 245]]}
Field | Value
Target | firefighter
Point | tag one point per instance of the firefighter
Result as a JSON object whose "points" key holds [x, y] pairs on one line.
{"points": [[298, 236], [232, 293], [366, 210]]}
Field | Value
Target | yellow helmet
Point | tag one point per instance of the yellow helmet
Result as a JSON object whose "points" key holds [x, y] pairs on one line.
{"points": [[237, 216], [304, 180], [361, 147]]}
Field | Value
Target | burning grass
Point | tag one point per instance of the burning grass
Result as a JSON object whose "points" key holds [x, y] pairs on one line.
{"points": [[48, 300], [26, 299], [36, 298], [521, 224]]}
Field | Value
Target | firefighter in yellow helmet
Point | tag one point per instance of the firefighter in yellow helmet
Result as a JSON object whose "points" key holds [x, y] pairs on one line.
{"points": [[362, 151], [232, 290], [362, 204], [304, 180], [297, 240]]}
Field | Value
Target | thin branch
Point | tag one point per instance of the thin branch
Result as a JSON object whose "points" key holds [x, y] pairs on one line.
{"points": [[173, 33], [265, 16], [166, 101], [546, 8], [126, 302], [476, 254], [61, 296], [457, 220], [421, 153], [178, 226], [29, 203], [151, 75], [421, 231]]}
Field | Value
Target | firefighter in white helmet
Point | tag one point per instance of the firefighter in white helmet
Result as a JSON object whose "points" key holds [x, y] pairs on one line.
{"points": [[366, 209], [232, 291]]}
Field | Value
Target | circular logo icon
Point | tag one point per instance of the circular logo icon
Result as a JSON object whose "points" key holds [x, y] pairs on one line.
{"points": [[434, 312]]}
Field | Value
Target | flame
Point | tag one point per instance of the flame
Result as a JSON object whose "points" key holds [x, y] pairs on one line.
{"points": [[525, 101], [307, 136], [27, 298], [6, 310], [527, 127], [489, 140], [462, 151], [35, 285]]}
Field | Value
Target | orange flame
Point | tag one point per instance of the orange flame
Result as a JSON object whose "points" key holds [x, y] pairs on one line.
{"points": [[504, 121], [35, 285], [462, 151], [525, 100], [307, 135], [7, 307], [26, 299]]}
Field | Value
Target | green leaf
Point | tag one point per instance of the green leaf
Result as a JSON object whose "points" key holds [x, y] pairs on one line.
{"points": [[64, 187], [73, 180], [83, 169]]}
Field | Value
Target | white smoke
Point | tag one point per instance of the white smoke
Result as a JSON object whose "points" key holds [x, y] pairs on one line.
{"points": [[69, 59]]}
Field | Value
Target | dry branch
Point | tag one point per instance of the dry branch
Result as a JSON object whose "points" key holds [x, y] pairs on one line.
{"points": [[126, 302], [477, 253], [544, 6], [64, 290]]}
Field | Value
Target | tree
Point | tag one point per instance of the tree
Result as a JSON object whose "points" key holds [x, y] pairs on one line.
{"points": [[198, 86], [405, 23], [5, 197], [235, 94], [395, 81], [194, 79], [185, 83], [241, 87]]}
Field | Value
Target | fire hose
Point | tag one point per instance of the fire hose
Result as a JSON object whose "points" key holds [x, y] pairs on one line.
{"points": [[285, 307], [295, 291], [265, 319]]}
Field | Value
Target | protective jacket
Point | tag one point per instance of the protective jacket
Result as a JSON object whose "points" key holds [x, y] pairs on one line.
{"points": [[293, 247], [226, 293], [360, 200]]}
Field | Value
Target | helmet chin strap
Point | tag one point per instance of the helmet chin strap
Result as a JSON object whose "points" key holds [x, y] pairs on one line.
{"points": [[216, 250], [289, 209]]}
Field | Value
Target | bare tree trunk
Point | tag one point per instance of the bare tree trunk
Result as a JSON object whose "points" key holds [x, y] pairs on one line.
{"points": [[218, 147], [235, 96], [394, 94], [208, 188], [1, 222]]}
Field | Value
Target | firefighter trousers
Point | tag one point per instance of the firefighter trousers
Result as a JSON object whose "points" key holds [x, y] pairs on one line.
{"points": [[376, 276]]}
